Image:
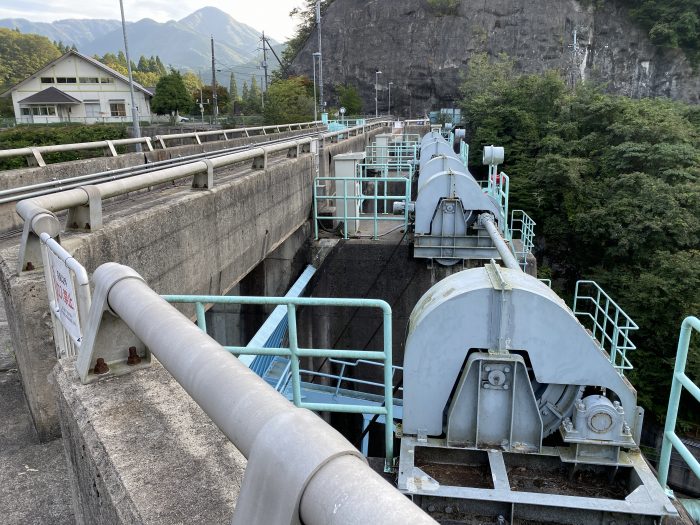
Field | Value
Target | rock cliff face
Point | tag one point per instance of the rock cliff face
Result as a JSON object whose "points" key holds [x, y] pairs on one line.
{"points": [[424, 52]]}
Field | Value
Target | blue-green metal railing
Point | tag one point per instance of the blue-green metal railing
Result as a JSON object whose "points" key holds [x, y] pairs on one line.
{"points": [[498, 187], [611, 326], [464, 153], [522, 224], [294, 352], [350, 203], [680, 381], [397, 152]]}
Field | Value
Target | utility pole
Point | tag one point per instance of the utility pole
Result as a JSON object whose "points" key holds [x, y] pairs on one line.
{"points": [[215, 107], [262, 97], [134, 113], [264, 64], [320, 57]]}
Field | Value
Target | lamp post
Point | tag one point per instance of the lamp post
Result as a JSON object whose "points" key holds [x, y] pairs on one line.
{"points": [[313, 59], [134, 111], [376, 93], [390, 84]]}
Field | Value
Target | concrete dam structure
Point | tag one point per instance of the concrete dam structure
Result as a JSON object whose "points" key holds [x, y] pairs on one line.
{"points": [[320, 327]]}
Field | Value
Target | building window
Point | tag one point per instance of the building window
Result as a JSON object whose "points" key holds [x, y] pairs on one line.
{"points": [[117, 109], [43, 110], [89, 80], [47, 80], [106, 80], [65, 80], [26, 111]]}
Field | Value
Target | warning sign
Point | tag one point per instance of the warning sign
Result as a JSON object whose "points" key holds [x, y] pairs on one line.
{"points": [[64, 295]]}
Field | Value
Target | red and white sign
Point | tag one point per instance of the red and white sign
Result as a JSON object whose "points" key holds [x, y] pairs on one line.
{"points": [[64, 296]]}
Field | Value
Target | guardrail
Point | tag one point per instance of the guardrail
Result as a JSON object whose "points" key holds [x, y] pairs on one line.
{"points": [[353, 195], [35, 158], [680, 381], [611, 326], [522, 223], [329, 476], [227, 134], [84, 204], [498, 187], [294, 352]]}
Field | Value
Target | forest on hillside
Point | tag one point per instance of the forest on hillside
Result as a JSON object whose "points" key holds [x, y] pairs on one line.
{"points": [[614, 186]]}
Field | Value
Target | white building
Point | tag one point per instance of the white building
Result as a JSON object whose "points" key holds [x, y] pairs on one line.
{"points": [[77, 88]]}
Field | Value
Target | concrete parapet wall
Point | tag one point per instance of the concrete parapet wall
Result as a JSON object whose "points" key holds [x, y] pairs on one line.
{"points": [[140, 450], [11, 179], [190, 242]]}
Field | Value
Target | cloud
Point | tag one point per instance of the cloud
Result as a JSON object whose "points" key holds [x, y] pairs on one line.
{"points": [[272, 16]]}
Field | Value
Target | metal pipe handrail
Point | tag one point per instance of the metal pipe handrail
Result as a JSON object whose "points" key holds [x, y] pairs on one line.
{"points": [[54, 148], [242, 405], [294, 351], [680, 381], [231, 131], [59, 201], [43, 188], [36, 151]]}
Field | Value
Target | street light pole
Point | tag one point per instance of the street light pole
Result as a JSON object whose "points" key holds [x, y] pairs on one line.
{"points": [[320, 60], [313, 59], [376, 93], [134, 113], [390, 84]]}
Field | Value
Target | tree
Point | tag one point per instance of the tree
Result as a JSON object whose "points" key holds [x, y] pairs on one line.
{"points": [[349, 98], [171, 96], [222, 100], [233, 87], [245, 95], [253, 104], [614, 186], [289, 101], [193, 83], [22, 55]]}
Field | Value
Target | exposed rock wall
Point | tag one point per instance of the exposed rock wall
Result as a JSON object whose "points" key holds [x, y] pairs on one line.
{"points": [[424, 53]]}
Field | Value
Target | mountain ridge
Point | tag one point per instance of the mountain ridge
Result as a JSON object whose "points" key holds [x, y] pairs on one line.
{"points": [[235, 43]]}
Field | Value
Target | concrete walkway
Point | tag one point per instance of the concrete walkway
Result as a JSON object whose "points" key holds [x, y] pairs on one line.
{"points": [[34, 483]]}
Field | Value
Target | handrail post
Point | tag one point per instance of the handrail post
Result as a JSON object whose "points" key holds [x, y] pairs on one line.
{"points": [[388, 390], [201, 317], [293, 348]]}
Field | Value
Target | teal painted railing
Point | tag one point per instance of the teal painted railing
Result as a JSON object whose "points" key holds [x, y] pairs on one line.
{"points": [[680, 381], [294, 352], [522, 225], [349, 195], [395, 153], [610, 325], [498, 187], [464, 153]]}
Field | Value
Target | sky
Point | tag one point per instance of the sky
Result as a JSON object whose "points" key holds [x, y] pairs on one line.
{"points": [[272, 16]]}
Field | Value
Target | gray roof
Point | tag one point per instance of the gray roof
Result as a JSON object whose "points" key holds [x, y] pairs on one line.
{"points": [[50, 95], [93, 61]]}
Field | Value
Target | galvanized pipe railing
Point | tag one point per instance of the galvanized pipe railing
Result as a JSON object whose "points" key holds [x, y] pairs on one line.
{"points": [[34, 153], [245, 132], [339, 488], [38, 212]]}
